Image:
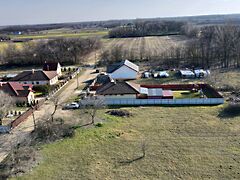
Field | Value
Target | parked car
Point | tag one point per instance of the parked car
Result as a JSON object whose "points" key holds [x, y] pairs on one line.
{"points": [[73, 105]]}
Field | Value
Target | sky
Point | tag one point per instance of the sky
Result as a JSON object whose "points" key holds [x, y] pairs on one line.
{"points": [[56, 11]]}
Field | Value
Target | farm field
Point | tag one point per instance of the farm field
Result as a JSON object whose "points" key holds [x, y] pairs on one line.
{"points": [[181, 143], [53, 35], [144, 47]]}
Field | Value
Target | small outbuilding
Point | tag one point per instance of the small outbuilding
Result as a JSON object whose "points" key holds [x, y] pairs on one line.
{"points": [[187, 73], [200, 73], [163, 74], [53, 66]]}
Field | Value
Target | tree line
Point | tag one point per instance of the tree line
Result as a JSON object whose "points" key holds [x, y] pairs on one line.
{"points": [[147, 28], [210, 46], [65, 51], [214, 46]]}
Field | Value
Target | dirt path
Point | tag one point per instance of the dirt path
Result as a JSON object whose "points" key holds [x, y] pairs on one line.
{"points": [[7, 141]]}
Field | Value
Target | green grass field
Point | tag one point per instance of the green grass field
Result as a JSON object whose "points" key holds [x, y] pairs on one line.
{"points": [[60, 34], [186, 94], [181, 143]]}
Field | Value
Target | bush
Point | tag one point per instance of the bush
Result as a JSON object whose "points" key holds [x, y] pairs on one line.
{"points": [[22, 159], [45, 89], [232, 110], [119, 113], [99, 125], [48, 131]]}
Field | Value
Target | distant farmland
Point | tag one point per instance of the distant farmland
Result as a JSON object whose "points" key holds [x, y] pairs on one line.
{"points": [[134, 48], [54, 35]]}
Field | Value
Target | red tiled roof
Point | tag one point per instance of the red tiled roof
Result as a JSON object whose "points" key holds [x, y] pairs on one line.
{"points": [[16, 89]]}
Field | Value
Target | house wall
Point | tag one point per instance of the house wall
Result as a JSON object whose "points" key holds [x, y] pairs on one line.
{"points": [[51, 82], [20, 99], [59, 70], [35, 82], [124, 73], [54, 80], [31, 97]]}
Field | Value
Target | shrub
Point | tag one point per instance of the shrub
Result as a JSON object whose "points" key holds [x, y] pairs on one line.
{"points": [[18, 163], [99, 125], [48, 131], [119, 113], [45, 89]]}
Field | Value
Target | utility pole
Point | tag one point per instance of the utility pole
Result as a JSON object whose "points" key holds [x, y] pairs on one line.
{"points": [[77, 78]]}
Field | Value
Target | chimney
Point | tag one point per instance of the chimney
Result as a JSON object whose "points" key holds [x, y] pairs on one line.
{"points": [[33, 71]]}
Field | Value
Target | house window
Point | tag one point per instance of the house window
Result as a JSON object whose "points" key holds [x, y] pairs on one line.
{"points": [[32, 82], [37, 82]]}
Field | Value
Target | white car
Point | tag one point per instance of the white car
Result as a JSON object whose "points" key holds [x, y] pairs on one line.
{"points": [[73, 105]]}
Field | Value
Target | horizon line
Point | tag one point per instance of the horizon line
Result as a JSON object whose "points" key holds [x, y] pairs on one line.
{"points": [[105, 20]]}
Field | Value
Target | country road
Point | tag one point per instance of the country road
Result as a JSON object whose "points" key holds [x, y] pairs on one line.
{"points": [[17, 135]]}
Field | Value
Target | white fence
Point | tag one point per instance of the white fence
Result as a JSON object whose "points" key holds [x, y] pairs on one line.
{"points": [[145, 102]]}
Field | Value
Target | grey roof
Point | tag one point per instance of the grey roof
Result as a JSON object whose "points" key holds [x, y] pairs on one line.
{"points": [[114, 67], [35, 75], [118, 88]]}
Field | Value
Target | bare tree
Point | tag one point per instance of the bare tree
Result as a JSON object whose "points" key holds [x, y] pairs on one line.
{"points": [[56, 104], [91, 106], [33, 116], [5, 103]]}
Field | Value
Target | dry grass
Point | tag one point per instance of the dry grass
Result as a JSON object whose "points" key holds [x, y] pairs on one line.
{"points": [[182, 142]]}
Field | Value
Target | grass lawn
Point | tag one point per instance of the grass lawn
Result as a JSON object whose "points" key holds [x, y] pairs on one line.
{"points": [[181, 142], [186, 94]]}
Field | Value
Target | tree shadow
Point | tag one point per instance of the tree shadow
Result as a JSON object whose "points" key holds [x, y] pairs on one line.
{"points": [[230, 111], [127, 162]]}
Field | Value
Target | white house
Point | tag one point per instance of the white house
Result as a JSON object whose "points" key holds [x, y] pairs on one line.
{"points": [[36, 77], [124, 70], [118, 90]]}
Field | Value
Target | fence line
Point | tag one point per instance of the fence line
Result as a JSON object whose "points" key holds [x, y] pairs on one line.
{"points": [[145, 102]]}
